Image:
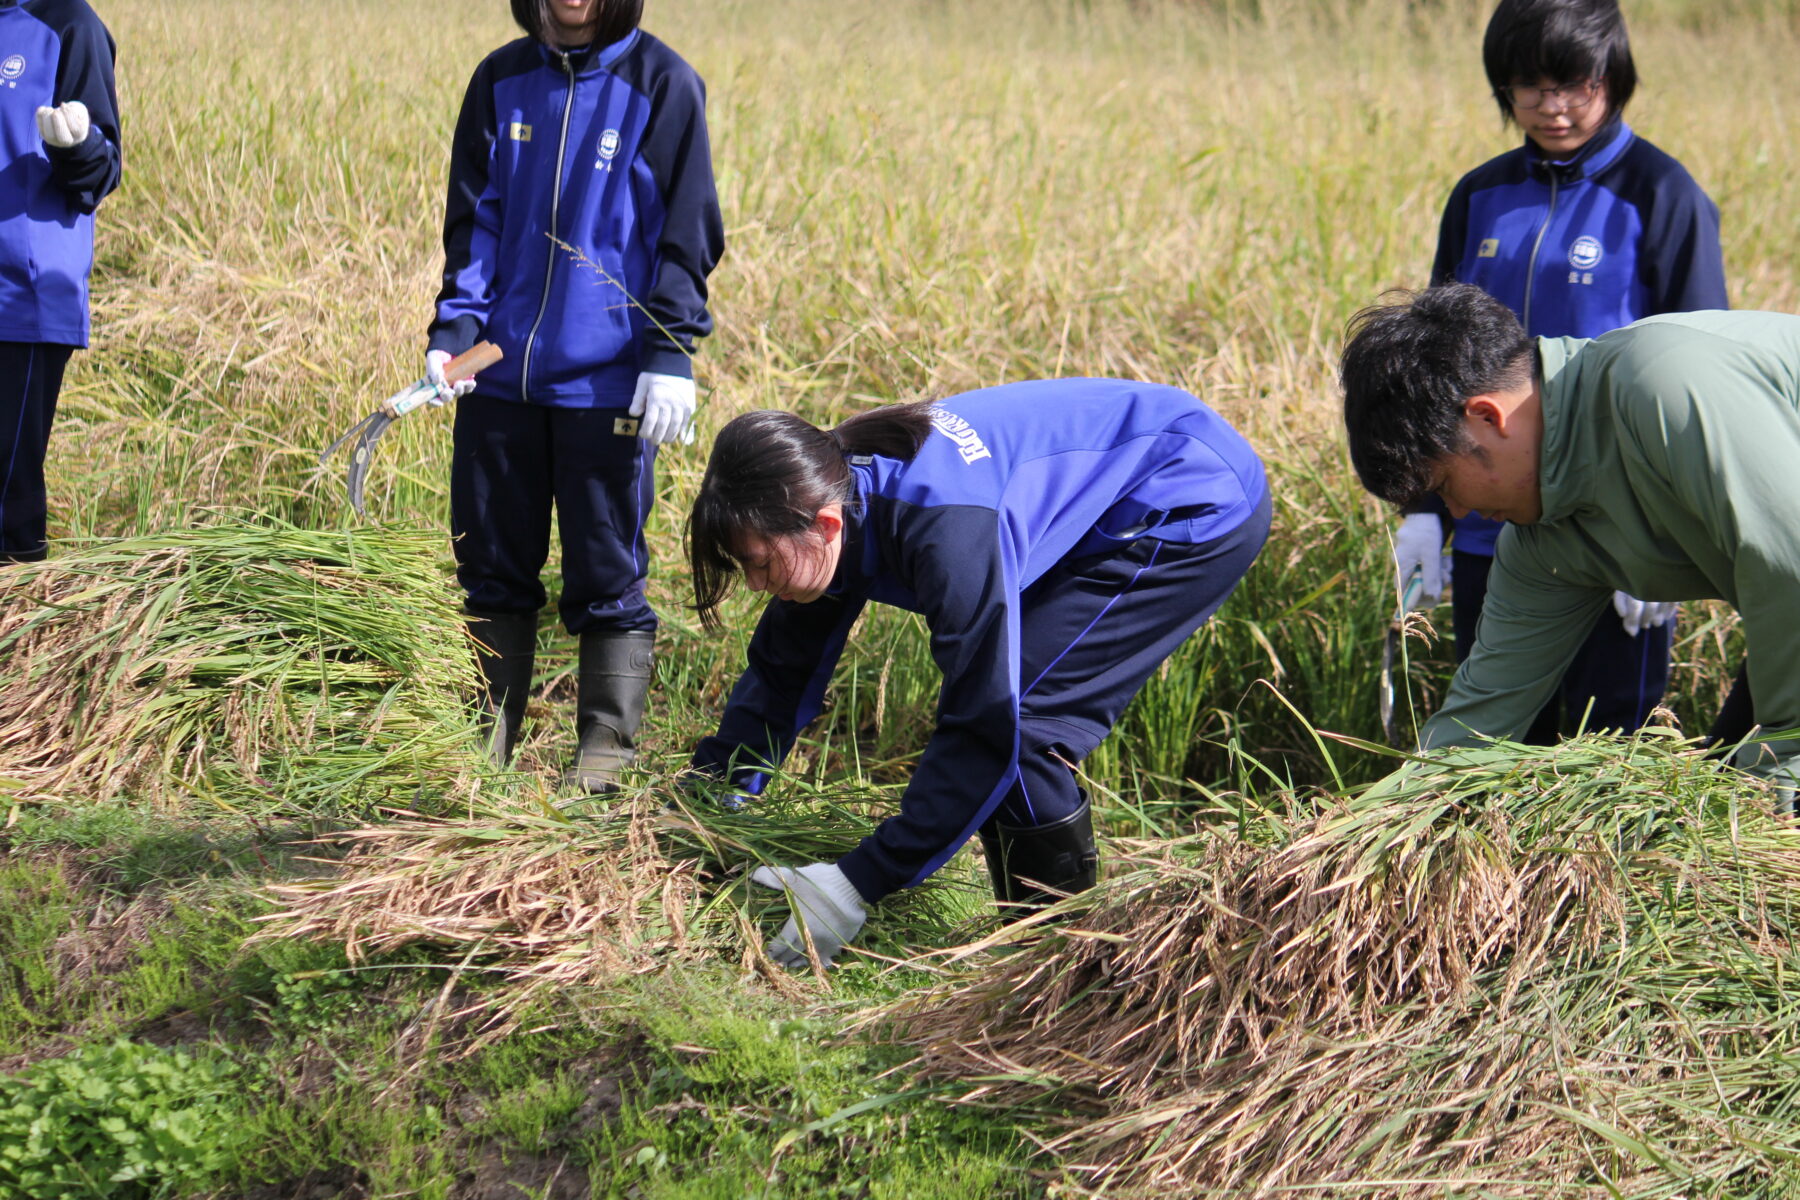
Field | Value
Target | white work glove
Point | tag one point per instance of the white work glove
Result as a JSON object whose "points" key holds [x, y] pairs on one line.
{"points": [[65, 125], [435, 361], [663, 404], [824, 899], [1641, 614], [1419, 542]]}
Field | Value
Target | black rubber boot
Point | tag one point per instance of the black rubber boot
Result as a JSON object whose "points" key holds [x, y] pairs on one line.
{"points": [[1033, 866], [505, 647], [1737, 717], [613, 682]]}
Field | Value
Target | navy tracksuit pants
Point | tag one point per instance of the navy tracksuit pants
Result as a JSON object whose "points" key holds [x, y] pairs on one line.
{"points": [[1621, 675], [513, 462], [1091, 631], [31, 375]]}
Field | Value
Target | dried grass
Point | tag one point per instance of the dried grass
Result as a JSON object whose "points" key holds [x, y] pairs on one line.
{"points": [[1525, 974], [545, 900], [580, 896]]}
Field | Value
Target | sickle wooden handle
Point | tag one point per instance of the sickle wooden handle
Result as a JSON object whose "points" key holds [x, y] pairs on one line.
{"points": [[472, 362]]}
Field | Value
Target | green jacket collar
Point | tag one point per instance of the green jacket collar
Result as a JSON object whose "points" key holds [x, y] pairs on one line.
{"points": [[1566, 480]]}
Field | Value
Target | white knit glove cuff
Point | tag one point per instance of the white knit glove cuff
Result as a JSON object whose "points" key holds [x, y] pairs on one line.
{"points": [[826, 905]]}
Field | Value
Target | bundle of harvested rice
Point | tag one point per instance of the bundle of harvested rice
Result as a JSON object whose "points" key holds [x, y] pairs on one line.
{"points": [[542, 895], [257, 666], [1527, 973]]}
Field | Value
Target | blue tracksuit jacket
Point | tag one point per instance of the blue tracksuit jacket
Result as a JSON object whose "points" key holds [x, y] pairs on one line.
{"points": [[604, 151], [52, 51], [1014, 480], [1579, 248]]}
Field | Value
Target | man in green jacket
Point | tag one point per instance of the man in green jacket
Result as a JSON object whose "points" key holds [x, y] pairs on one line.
{"points": [[1661, 459]]}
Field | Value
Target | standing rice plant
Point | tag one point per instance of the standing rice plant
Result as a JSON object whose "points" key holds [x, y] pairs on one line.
{"points": [[253, 667], [1518, 973], [920, 198]]}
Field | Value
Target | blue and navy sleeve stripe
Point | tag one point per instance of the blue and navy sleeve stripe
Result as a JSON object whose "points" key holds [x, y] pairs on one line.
{"points": [[471, 216], [792, 654], [87, 173], [968, 589], [689, 237], [1680, 259]]}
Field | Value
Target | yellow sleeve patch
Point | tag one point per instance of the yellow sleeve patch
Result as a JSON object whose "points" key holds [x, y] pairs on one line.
{"points": [[1490, 247], [519, 131]]}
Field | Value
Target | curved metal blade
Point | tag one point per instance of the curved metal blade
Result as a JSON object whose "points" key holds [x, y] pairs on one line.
{"points": [[355, 429], [376, 425], [1389, 651]]}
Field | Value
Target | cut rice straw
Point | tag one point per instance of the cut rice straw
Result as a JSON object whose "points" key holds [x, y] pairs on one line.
{"points": [[1515, 972], [584, 895], [249, 666]]}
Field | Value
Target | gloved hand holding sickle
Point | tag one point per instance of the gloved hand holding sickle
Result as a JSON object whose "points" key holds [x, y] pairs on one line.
{"points": [[442, 381]]}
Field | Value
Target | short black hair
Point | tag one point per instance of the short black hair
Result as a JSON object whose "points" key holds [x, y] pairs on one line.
{"points": [[1564, 40], [1409, 367], [613, 19]]}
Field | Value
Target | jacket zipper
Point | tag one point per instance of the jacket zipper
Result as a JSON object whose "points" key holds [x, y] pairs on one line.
{"points": [[1531, 265], [562, 146]]}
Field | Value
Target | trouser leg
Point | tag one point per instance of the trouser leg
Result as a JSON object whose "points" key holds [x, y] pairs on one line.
{"points": [[1623, 677], [500, 525], [500, 497], [1737, 716], [1468, 591], [1616, 679], [31, 375], [605, 485], [1091, 632]]}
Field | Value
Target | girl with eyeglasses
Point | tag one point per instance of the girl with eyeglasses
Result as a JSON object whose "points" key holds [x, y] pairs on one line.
{"points": [[1582, 229]]}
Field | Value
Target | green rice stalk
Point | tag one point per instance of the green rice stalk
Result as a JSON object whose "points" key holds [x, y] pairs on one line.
{"points": [[243, 666]]}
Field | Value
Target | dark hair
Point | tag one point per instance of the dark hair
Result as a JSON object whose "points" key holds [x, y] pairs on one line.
{"points": [[1564, 40], [771, 472], [613, 19], [1408, 368]]}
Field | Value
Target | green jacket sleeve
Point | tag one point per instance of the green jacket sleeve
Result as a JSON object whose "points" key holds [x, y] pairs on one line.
{"points": [[1533, 620]]}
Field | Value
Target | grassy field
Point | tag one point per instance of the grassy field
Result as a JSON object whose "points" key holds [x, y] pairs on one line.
{"points": [[920, 196]]}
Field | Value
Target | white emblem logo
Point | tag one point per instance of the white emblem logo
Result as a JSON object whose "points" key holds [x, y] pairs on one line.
{"points": [[968, 442], [13, 67], [609, 143], [1585, 254]]}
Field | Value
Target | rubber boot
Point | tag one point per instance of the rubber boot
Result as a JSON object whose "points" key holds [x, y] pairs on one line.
{"points": [[505, 648], [611, 687], [1033, 866], [1737, 717]]}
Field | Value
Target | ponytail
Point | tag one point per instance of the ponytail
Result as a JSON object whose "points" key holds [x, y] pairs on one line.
{"points": [[771, 472], [892, 431]]}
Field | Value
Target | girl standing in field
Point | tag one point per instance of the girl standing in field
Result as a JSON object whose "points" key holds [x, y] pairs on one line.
{"points": [[581, 225], [1584, 228], [59, 157], [1061, 538]]}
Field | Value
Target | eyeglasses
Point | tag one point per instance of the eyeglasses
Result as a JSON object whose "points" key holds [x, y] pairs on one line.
{"points": [[1575, 95]]}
